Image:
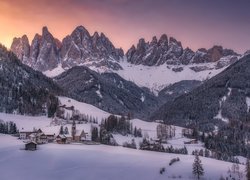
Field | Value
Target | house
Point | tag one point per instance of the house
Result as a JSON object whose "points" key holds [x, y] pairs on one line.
{"points": [[31, 146], [80, 136], [24, 134], [187, 132], [69, 138], [50, 138], [159, 121], [38, 136], [63, 139], [32, 137], [192, 141], [41, 138]]}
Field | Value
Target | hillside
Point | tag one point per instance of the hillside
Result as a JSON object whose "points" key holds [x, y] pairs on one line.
{"points": [[107, 91], [223, 98], [23, 90]]}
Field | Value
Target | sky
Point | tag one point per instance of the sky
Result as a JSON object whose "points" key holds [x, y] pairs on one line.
{"points": [[196, 23]]}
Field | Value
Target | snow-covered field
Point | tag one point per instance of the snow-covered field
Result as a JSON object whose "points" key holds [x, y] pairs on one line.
{"points": [[26, 123], [94, 162]]}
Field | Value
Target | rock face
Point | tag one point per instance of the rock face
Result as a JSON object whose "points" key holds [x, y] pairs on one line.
{"points": [[79, 48], [107, 91], [46, 56], [23, 90], [42, 54], [21, 48], [171, 52]]}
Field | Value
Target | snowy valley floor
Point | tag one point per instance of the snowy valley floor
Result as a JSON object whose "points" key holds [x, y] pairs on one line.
{"points": [[96, 162]]}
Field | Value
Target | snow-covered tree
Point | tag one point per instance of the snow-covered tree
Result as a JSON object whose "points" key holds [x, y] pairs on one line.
{"points": [[198, 170]]}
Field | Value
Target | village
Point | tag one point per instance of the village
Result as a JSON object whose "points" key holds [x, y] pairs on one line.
{"points": [[74, 131], [72, 124], [64, 136]]}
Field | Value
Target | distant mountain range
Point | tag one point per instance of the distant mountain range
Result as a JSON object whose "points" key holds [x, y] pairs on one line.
{"points": [[91, 69], [80, 48], [50, 56]]}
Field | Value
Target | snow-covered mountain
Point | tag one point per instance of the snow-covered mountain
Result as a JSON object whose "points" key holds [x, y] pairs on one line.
{"points": [[154, 64]]}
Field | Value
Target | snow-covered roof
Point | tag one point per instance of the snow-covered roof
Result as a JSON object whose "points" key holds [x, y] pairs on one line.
{"points": [[32, 135], [67, 135]]}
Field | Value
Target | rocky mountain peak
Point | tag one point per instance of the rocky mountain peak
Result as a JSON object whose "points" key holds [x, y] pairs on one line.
{"points": [[154, 41], [48, 37], [203, 50], [174, 41], [95, 35], [21, 47], [46, 52], [81, 29], [170, 51], [187, 56], [45, 30], [141, 44], [216, 53], [175, 48], [81, 37], [163, 41]]}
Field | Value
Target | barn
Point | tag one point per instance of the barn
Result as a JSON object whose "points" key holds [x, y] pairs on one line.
{"points": [[31, 146]]}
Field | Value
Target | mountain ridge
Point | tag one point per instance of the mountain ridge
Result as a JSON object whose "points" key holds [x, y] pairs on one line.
{"points": [[81, 48]]}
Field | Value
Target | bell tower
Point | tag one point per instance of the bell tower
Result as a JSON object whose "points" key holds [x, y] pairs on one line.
{"points": [[73, 129]]}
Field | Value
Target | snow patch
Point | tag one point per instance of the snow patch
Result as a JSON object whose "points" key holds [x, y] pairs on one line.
{"points": [[222, 100], [158, 77], [248, 103], [142, 97], [54, 72]]}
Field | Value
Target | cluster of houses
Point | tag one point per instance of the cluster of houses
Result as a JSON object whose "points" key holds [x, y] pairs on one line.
{"points": [[39, 137]]}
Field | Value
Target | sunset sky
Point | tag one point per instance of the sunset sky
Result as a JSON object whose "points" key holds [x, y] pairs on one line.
{"points": [[196, 23]]}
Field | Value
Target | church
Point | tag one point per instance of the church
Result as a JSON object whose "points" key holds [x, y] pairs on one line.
{"points": [[77, 134]]}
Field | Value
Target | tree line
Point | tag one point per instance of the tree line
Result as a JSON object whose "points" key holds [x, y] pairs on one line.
{"points": [[8, 128]]}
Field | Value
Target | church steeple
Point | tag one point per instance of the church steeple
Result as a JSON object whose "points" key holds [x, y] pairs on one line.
{"points": [[73, 130]]}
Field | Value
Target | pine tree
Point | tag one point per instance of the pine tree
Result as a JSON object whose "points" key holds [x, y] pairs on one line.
{"points": [[61, 130], [248, 169], [198, 170], [135, 132], [66, 131], [94, 134]]}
